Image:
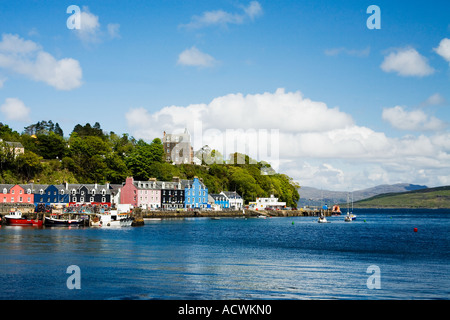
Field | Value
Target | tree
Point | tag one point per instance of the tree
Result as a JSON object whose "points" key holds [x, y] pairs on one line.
{"points": [[28, 164], [142, 158]]}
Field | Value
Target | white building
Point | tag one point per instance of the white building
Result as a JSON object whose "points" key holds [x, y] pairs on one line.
{"points": [[272, 203], [235, 200]]}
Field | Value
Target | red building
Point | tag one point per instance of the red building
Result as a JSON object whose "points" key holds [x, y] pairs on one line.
{"points": [[10, 193], [129, 193]]}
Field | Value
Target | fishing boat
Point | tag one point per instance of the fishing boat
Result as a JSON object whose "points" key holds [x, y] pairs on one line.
{"points": [[15, 218], [112, 219], [61, 222]]}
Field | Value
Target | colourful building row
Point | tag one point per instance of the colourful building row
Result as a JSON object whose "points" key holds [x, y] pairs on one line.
{"points": [[175, 194], [62, 194]]}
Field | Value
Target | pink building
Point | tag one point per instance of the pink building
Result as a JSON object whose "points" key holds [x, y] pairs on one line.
{"points": [[144, 194], [149, 194]]}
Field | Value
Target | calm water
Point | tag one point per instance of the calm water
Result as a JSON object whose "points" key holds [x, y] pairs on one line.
{"points": [[276, 258]]}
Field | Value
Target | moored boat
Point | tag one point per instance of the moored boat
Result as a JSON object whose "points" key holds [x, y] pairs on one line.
{"points": [[15, 218], [322, 219], [57, 222], [112, 219]]}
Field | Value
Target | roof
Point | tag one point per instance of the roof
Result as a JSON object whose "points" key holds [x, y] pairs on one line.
{"points": [[232, 194]]}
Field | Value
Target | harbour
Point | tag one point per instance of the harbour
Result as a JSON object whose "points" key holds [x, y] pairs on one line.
{"points": [[197, 258], [89, 217]]}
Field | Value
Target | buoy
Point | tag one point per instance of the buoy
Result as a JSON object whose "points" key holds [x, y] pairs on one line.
{"points": [[292, 222], [415, 229], [364, 220]]}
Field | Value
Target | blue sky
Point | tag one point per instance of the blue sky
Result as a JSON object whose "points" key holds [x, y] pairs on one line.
{"points": [[384, 89]]}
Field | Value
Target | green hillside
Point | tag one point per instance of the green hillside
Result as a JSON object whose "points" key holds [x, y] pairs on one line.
{"points": [[91, 155], [426, 198]]}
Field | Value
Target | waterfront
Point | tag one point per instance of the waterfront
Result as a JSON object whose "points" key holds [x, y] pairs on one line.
{"points": [[234, 258]]}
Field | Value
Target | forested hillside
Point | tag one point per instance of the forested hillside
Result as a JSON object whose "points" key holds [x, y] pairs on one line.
{"points": [[90, 155]]}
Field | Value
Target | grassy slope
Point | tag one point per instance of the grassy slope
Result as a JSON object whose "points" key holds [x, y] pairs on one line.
{"points": [[427, 198]]}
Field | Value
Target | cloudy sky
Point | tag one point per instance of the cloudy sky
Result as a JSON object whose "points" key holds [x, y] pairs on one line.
{"points": [[350, 106]]}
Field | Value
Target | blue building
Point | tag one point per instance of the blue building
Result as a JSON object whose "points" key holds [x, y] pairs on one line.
{"points": [[50, 194], [195, 194], [221, 200]]}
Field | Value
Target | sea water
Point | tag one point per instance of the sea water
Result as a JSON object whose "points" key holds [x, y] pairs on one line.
{"points": [[235, 258]]}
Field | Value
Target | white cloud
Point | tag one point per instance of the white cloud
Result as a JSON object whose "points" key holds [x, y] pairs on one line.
{"points": [[415, 120], [407, 62], [90, 28], [113, 30], [253, 10], [223, 18], [194, 57], [15, 110], [444, 49], [434, 100], [27, 58], [316, 143]]}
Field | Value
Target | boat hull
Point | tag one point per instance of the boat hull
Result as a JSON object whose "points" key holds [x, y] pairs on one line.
{"points": [[63, 222], [23, 222]]}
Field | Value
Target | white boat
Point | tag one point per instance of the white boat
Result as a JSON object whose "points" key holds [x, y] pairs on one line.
{"points": [[261, 216], [112, 219], [322, 219], [350, 216]]}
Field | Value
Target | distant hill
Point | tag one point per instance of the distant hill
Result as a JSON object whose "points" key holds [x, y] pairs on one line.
{"points": [[425, 198], [317, 197]]}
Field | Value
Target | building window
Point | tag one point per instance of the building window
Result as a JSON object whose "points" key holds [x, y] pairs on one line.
{"points": [[12, 191], [92, 199], [62, 192], [20, 191], [28, 191], [82, 198], [103, 199], [74, 199], [5, 191], [12, 199]]}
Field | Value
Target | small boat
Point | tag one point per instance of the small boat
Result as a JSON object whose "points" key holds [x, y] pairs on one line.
{"points": [[57, 222], [348, 218], [112, 219], [322, 219], [261, 216], [15, 218]]}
